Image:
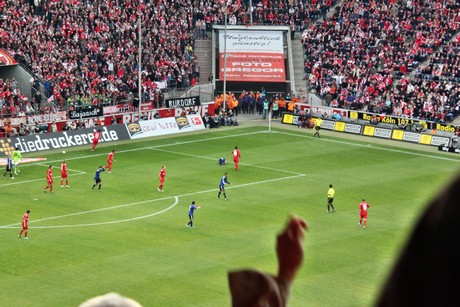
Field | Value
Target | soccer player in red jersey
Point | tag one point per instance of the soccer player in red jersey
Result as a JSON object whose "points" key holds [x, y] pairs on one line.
{"points": [[49, 179], [162, 176], [64, 175], [110, 160], [236, 157], [96, 137], [25, 225], [363, 206]]}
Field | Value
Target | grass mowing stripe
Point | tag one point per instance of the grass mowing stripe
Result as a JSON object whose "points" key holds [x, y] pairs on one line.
{"points": [[246, 164], [375, 147], [159, 262], [151, 147]]}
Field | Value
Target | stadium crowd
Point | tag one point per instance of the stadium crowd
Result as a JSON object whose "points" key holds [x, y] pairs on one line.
{"points": [[87, 50], [358, 54], [445, 62], [298, 14], [354, 58]]}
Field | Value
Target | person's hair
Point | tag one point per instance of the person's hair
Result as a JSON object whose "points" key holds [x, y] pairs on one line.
{"points": [[330, 185], [111, 299], [28, 211], [193, 202]]}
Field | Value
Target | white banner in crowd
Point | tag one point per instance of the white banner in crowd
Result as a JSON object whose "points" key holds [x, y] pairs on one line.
{"points": [[255, 56], [164, 126]]}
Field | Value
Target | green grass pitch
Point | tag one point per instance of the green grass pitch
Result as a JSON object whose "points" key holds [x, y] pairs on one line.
{"points": [[131, 239]]}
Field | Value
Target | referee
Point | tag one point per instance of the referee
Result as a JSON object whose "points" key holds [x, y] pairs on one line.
{"points": [[330, 199]]}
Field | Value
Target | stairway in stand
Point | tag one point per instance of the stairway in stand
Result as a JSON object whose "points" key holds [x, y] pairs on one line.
{"points": [[203, 53], [298, 62]]}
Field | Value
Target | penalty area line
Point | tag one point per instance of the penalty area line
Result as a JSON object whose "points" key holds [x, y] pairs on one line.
{"points": [[16, 225], [213, 159], [101, 223]]}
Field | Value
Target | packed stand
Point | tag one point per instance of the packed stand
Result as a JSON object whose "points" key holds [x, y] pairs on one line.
{"points": [[419, 98], [86, 51], [298, 14], [444, 64], [359, 53]]}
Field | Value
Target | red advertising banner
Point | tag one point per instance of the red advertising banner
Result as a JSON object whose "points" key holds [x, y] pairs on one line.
{"points": [[252, 56]]}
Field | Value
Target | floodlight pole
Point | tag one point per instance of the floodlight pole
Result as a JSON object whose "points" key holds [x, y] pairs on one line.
{"points": [[269, 120], [139, 69], [225, 58], [250, 11]]}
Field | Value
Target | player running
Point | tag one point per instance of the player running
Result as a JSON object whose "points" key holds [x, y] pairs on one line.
{"points": [[96, 136], [236, 157], [110, 160], [97, 178], [25, 225], [64, 175], [222, 183], [49, 179]]}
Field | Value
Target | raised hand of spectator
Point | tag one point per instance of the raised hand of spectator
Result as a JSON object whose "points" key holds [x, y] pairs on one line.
{"points": [[289, 249]]}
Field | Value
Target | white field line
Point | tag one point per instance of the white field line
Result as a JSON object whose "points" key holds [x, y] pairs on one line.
{"points": [[34, 180], [41, 179], [149, 147], [208, 158], [207, 191], [139, 203], [257, 132], [69, 169], [101, 223]]}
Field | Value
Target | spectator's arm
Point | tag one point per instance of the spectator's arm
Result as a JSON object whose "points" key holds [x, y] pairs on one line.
{"points": [[254, 288]]}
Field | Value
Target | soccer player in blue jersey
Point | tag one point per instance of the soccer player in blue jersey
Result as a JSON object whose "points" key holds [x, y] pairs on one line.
{"points": [[9, 167], [97, 178], [191, 210], [222, 183]]}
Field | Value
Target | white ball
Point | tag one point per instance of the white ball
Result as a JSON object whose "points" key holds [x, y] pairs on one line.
{"points": [[63, 151]]}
